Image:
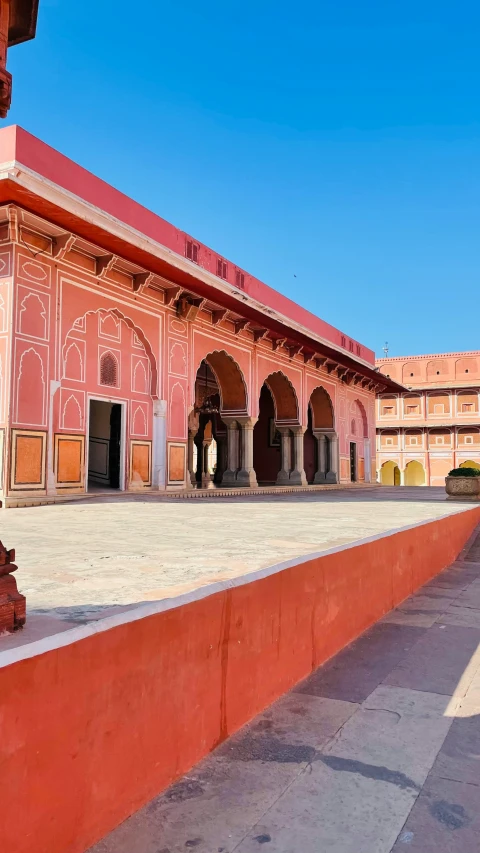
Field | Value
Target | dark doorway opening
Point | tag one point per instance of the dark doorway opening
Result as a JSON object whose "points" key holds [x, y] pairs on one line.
{"points": [[104, 444], [353, 462], [266, 441]]}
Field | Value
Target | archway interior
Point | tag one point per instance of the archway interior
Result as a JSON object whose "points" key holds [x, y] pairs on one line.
{"points": [[414, 474], [210, 441], [390, 474], [266, 440], [277, 410], [320, 418]]}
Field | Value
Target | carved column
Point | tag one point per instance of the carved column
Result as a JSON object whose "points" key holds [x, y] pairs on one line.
{"points": [[159, 451], [283, 477], [402, 477], [332, 473], [192, 474], [230, 475], [206, 475], [246, 476], [297, 474], [367, 460], [322, 457]]}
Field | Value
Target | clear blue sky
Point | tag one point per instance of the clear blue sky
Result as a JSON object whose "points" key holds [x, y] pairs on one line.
{"points": [[336, 141]]}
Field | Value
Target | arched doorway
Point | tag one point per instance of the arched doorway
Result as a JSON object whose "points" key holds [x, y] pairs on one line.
{"points": [[108, 389], [414, 474], [390, 474], [220, 431], [320, 439], [278, 436]]}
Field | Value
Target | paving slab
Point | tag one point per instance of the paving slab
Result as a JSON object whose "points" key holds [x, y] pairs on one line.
{"points": [[358, 669], [439, 660], [444, 819]]}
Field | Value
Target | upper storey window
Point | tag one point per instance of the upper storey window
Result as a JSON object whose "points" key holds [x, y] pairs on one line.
{"points": [[191, 251], [388, 406], [411, 405], [467, 403], [438, 404], [222, 268]]}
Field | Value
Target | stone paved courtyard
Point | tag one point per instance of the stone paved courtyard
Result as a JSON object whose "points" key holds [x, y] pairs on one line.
{"points": [[378, 751], [78, 560]]}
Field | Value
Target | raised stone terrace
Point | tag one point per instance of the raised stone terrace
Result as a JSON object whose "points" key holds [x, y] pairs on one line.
{"points": [[376, 752], [85, 560]]}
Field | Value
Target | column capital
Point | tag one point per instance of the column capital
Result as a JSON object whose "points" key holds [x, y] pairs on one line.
{"points": [[247, 422], [298, 429]]}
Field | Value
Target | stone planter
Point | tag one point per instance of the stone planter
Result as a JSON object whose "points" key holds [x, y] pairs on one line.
{"points": [[462, 488]]}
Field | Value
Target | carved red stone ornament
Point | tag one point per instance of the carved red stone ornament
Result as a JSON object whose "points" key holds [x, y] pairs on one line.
{"points": [[12, 603]]}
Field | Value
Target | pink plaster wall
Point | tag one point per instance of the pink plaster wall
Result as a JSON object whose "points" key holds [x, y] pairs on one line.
{"points": [[17, 144]]}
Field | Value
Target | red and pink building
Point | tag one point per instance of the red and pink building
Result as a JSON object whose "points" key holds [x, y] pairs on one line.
{"points": [[129, 350]]}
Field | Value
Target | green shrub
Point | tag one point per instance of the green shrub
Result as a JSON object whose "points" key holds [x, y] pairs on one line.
{"points": [[464, 472]]}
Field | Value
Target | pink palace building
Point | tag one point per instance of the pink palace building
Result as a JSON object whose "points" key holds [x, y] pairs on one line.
{"points": [[433, 425], [133, 357]]}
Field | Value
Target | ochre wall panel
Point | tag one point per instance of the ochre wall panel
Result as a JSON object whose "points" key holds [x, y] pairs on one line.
{"points": [[140, 466], [28, 459], [176, 463], [171, 686], [69, 451]]}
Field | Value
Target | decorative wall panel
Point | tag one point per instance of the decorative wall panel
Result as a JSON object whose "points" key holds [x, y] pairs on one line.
{"points": [[28, 459], [141, 463], [176, 463], [69, 460]]}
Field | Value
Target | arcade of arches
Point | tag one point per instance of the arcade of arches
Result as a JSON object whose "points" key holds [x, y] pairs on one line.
{"points": [[227, 447], [413, 475]]}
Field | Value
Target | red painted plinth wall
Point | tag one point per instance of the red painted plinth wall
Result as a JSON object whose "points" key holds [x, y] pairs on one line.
{"points": [[94, 729]]}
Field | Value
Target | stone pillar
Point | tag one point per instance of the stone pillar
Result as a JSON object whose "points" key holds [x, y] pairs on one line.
{"points": [[191, 472], [51, 484], [159, 449], [246, 476], [297, 474], [230, 474], [206, 475], [332, 475], [283, 478], [322, 457], [367, 460], [402, 477]]}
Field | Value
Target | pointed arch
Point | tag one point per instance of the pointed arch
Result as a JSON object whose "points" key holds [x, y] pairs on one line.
{"points": [[363, 414], [414, 473], [284, 398], [140, 382], [321, 407], [230, 381], [72, 414], [139, 421], [33, 316], [80, 324], [73, 363], [31, 389]]}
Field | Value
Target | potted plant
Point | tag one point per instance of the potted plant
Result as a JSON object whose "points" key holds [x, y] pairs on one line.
{"points": [[463, 484]]}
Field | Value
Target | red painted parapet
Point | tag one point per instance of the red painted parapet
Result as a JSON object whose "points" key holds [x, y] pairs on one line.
{"points": [[12, 603]]}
